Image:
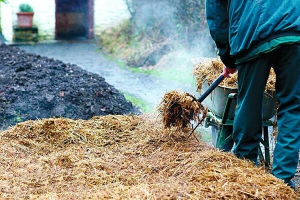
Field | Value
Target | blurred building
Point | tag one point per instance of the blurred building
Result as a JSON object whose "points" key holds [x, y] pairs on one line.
{"points": [[65, 19]]}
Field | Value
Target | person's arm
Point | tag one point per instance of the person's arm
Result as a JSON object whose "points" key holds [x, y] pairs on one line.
{"points": [[217, 20]]}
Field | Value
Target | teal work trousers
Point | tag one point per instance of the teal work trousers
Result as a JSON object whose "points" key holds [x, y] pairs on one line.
{"points": [[247, 129]]}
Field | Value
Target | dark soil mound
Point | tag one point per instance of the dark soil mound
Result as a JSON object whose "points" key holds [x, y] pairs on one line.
{"points": [[35, 87]]}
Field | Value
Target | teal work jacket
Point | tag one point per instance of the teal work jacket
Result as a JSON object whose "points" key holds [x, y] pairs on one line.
{"points": [[243, 29]]}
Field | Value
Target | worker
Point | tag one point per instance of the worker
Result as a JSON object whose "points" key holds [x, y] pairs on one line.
{"points": [[252, 37]]}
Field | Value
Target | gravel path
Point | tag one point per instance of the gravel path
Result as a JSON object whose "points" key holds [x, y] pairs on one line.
{"points": [[86, 55]]}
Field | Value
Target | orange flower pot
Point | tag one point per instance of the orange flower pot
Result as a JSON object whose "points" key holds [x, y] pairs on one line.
{"points": [[25, 19]]}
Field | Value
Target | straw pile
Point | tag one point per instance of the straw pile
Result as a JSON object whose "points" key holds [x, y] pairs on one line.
{"points": [[209, 70], [123, 157], [179, 109]]}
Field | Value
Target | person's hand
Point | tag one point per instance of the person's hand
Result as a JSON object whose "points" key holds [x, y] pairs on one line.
{"points": [[227, 71]]}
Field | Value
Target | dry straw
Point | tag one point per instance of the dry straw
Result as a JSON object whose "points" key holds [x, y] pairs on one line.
{"points": [[179, 109], [208, 70], [123, 157]]}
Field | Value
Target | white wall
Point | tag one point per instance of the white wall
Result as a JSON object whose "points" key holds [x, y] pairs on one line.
{"points": [[6, 21], [44, 17], [107, 13]]}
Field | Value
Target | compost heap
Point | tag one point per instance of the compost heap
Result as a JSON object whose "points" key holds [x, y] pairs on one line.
{"points": [[35, 87], [209, 69], [123, 157]]}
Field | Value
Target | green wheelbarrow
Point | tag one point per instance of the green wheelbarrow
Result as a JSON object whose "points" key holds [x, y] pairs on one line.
{"points": [[221, 104]]}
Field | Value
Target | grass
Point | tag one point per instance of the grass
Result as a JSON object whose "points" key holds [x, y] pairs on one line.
{"points": [[178, 75], [138, 102], [182, 74]]}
